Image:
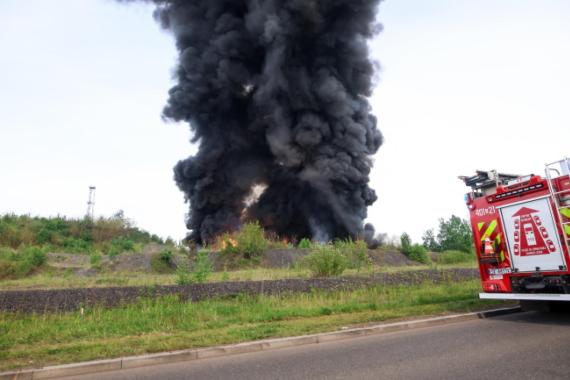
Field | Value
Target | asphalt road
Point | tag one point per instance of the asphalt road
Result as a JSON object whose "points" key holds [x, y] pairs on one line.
{"points": [[520, 346]]}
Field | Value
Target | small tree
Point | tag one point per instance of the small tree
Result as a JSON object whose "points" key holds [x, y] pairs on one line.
{"points": [[454, 234], [405, 243], [429, 241]]}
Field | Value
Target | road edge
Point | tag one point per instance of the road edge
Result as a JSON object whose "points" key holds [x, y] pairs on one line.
{"points": [[255, 346]]}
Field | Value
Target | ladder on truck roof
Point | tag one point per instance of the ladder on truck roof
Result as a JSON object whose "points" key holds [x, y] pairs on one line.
{"points": [[561, 198], [487, 179]]}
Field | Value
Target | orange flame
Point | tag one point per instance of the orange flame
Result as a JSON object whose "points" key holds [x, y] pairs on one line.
{"points": [[229, 242], [225, 242]]}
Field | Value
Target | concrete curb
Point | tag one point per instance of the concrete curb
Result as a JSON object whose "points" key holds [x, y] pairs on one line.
{"points": [[262, 345]]}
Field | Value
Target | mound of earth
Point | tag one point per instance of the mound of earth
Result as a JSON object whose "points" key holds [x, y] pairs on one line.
{"points": [[390, 257], [283, 258], [80, 264], [288, 257]]}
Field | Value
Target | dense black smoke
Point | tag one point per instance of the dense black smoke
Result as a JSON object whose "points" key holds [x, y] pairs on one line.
{"points": [[275, 92]]}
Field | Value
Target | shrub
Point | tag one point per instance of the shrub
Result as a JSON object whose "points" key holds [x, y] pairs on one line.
{"points": [[21, 263], [112, 251], [7, 269], [34, 256], [201, 270], [355, 251], [166, 256], [455, 257], [405, 243], [203, 267], [305, 244], [251, 242], [183, 276], [76, 245], [123, 244], [95, 260], [417, 252], [161, 262], [325, 261]]}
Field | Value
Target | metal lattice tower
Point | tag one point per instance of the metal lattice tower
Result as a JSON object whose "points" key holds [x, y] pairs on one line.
{"points": [[91, 203]]}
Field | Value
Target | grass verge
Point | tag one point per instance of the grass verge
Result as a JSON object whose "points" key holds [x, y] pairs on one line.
{"points": [[55, 280], [167, 324]]}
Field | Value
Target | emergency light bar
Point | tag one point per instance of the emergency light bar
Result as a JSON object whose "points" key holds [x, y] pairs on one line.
{"points": [[518, 187]]}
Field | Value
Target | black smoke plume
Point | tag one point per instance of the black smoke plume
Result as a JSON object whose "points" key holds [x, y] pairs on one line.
{"points": [[275, 92]]}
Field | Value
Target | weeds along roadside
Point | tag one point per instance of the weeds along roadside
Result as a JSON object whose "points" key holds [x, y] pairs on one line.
{"points": [[168, 324]]}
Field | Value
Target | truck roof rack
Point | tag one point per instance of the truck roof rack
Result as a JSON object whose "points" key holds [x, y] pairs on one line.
{"points": [[486, 179]]}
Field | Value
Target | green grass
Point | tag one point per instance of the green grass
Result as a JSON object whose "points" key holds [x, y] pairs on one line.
{"points": [[57, 280], [20, 263], [167, 324], [455, 257]]}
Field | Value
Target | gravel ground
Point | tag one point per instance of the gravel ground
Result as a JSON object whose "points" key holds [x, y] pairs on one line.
{"points": [[72, 299]]}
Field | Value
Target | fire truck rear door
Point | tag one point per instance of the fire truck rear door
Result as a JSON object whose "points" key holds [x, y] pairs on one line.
{"points": [[532, 236]]}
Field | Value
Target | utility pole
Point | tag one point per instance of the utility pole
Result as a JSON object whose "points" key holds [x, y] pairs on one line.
{"points": [[91, 204]]}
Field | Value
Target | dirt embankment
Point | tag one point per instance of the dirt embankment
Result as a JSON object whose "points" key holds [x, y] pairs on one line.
{"points": [[41, 301], [141, 262]]}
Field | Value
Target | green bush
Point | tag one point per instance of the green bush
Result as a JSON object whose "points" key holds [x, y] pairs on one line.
{"points": [[305, 244], [251, 242], [405, 243], [183, 276], [202, 268], [123, 244], [166, 256], [95, 260], [18, 264], [34, 256], [355, 251], [325, 261], [162, 262], [7, 270], [111, 251], [455, 257], [417, 252], [76, 245]]}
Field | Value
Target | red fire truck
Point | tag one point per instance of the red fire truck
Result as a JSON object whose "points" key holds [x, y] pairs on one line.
{"points": [[521, 230]]}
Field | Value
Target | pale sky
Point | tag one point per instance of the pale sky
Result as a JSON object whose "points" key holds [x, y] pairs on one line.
{"points": [[464, 85]]}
